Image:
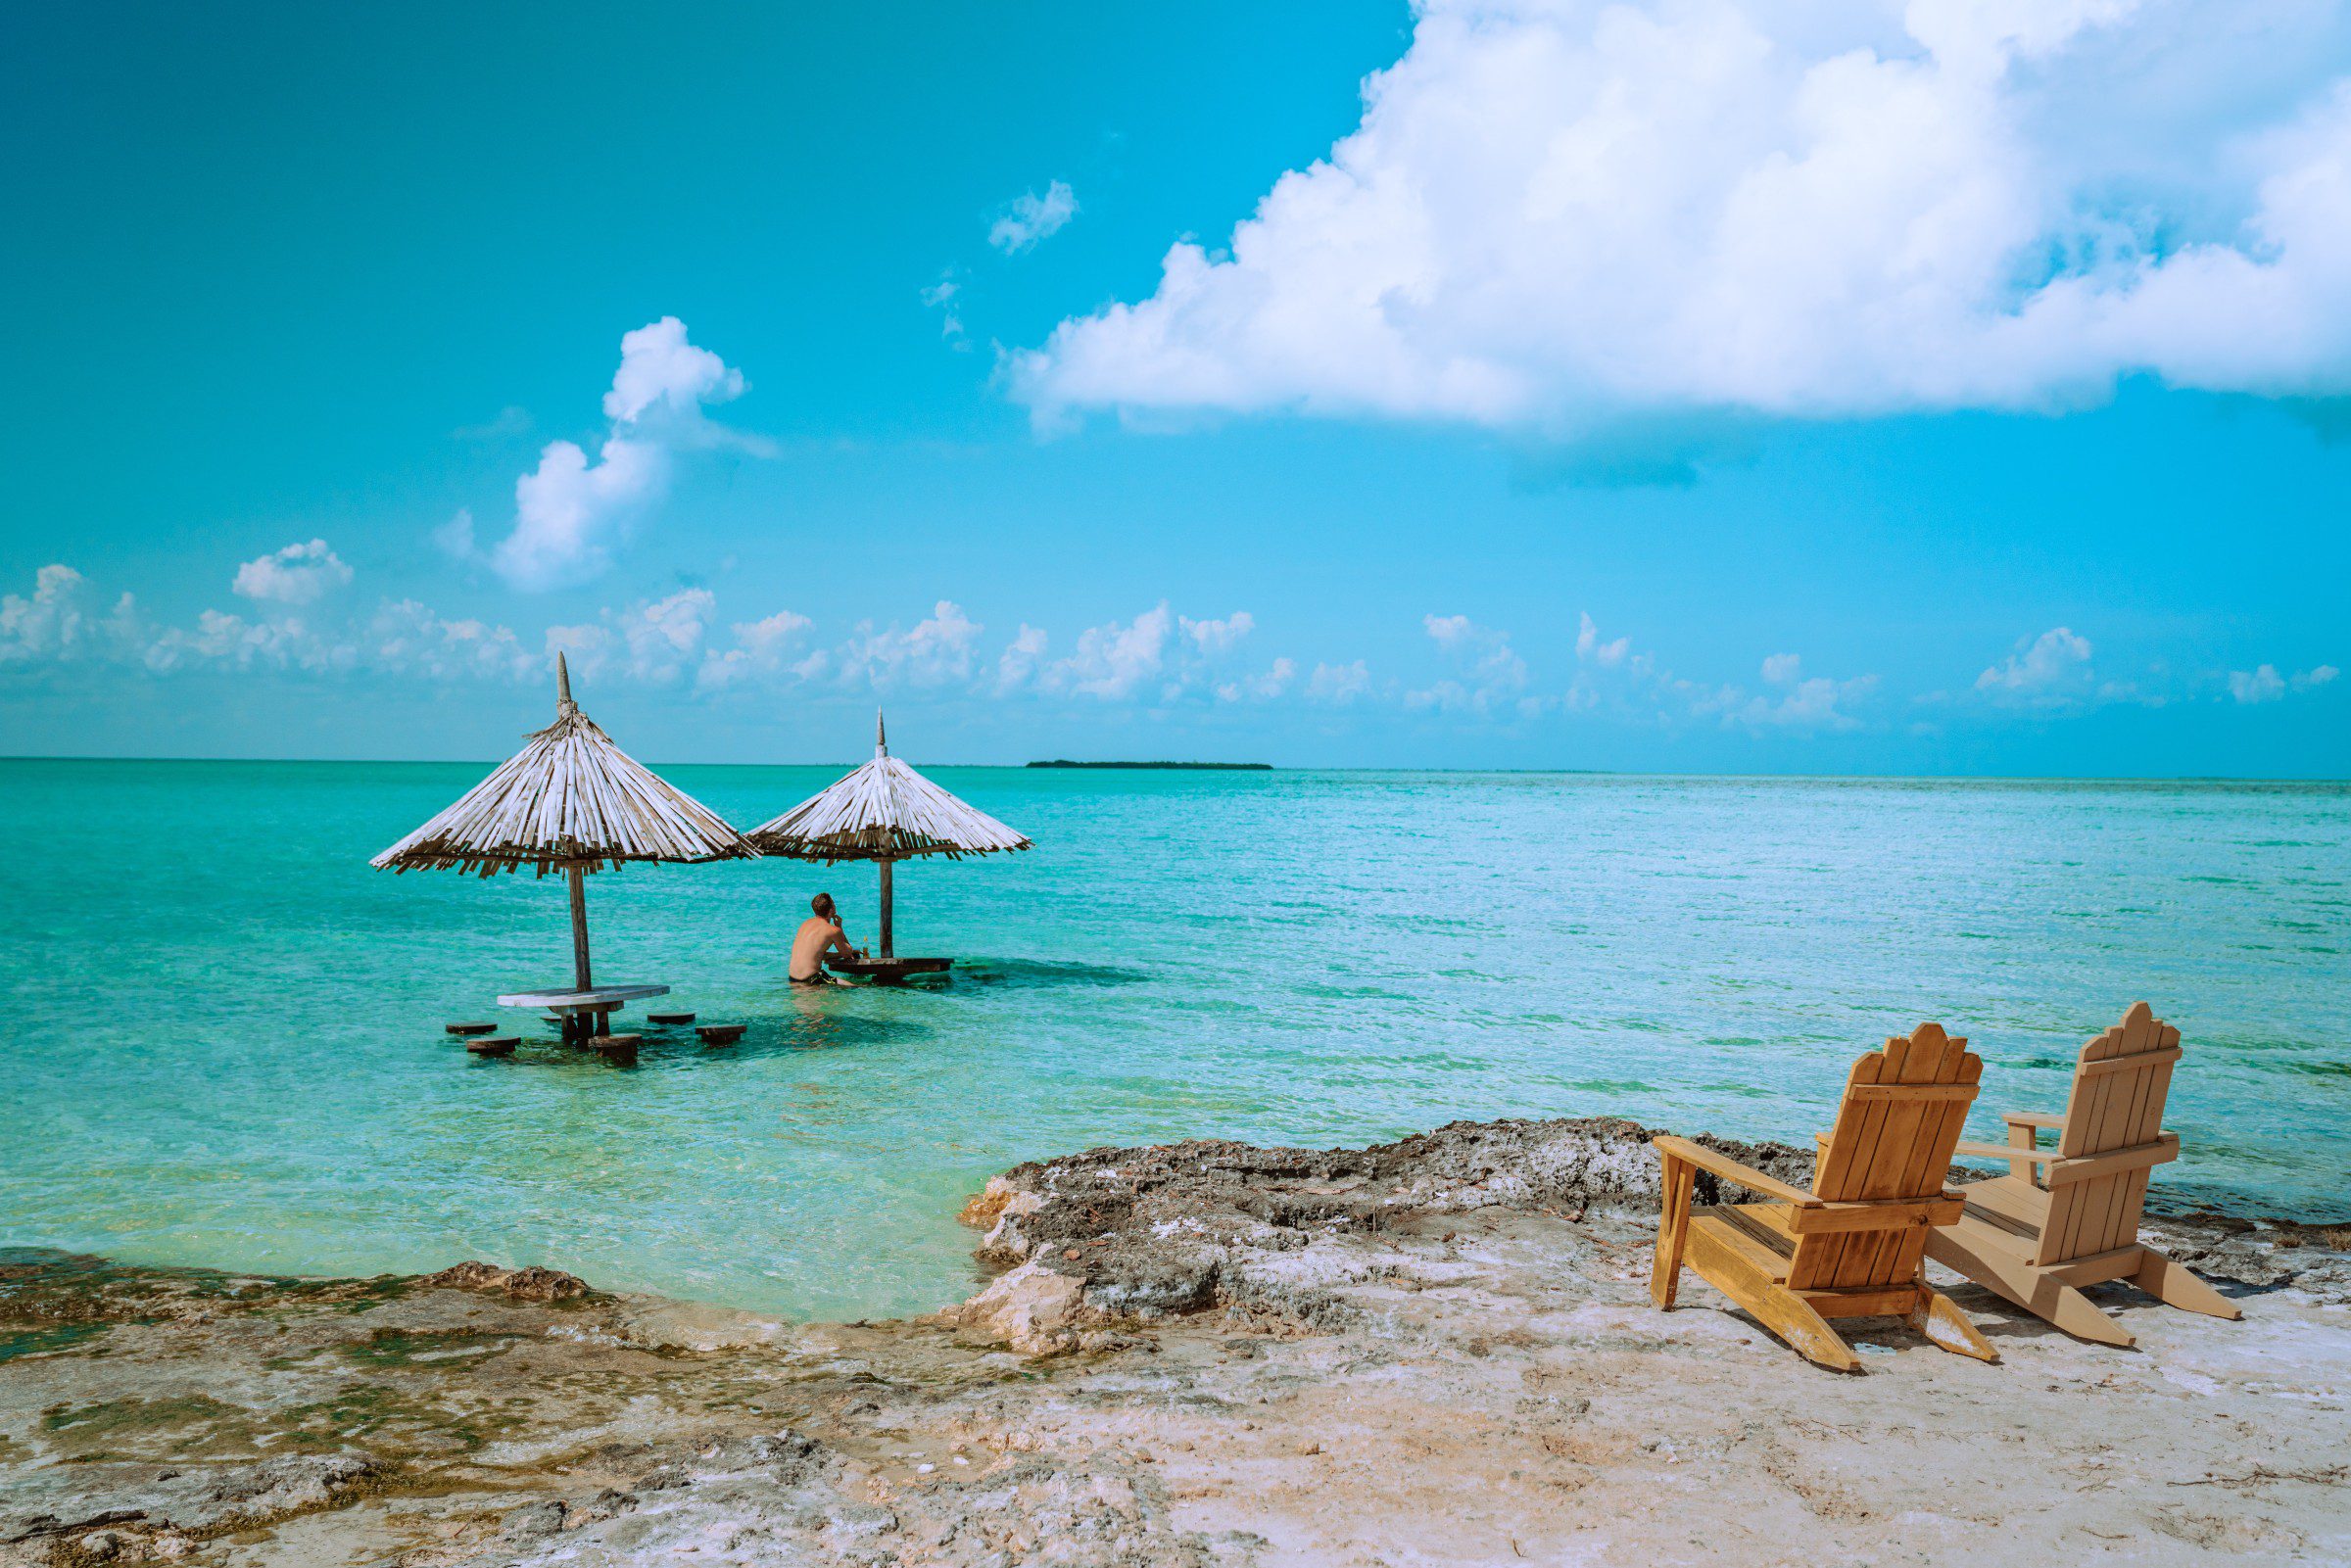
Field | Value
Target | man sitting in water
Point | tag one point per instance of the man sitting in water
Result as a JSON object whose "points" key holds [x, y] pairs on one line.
{"points": [[820, 933]]}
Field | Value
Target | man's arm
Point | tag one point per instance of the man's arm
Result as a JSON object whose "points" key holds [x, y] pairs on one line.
{"points": [[840, 944]]}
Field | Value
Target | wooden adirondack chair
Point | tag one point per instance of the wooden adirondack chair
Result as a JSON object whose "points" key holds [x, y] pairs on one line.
{"points": [[1850, 1247], [2038, 1240]]}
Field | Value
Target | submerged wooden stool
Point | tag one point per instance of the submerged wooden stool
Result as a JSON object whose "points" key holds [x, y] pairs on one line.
{"points": [[469, 1028], [720, 1033], [669, 1018], [616, 1048], [493, 1044]]}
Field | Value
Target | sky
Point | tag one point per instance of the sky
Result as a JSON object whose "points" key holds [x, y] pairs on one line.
{"points": [[1950, 386]]}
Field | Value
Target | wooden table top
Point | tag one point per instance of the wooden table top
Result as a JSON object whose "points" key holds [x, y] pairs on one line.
{"points": [[597, 997], [888, 965]]}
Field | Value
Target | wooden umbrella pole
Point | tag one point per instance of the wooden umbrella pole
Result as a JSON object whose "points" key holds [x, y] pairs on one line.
{"points": [[886, 950], [579, 930]]}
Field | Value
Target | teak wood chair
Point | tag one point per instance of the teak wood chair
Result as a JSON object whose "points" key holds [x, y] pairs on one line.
{"points": [[1851, 1246], [2036, 1239]]}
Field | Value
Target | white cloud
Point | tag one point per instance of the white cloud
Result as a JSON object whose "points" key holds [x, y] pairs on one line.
{"points": [[1589, 646], [402, 637], [409, 637], [1218, 636], [1339, 684], [1262, 687], [1801, 702], [936, 651], [569, 512], [2262, 684], [1032, 219], [1019, 661], [1111, 661], [653, 641], [664, 636], [1492, 671], [1553, 213], [49, 625], [759, 651], [455, 538], [227, 642], [299, 574], [1450, 631], [2266, 683], [1632, 686], [2048, 670], [661, 372], [944, 297]]}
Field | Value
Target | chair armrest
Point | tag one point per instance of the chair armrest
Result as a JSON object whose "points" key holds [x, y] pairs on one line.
{"points": [[1729, 1169], [2005, 1151], [2114, 1161], [2033, 1118]]}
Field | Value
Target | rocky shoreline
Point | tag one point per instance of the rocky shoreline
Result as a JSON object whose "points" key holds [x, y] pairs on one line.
{"points": [[1439, 1349]]}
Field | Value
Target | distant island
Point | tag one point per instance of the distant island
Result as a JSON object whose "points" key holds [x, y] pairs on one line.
{"points": [[1220, 767]]}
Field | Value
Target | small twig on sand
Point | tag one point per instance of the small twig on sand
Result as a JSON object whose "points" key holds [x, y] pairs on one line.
{"points": [[2331, 1476]]}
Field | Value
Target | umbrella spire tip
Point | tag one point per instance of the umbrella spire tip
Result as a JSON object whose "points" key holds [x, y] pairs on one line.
{"points": [[880, 737], [563, 682]]}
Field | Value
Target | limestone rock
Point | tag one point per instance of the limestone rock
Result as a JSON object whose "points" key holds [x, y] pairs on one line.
{"points": [[533, 1284], [1030, 1309]]}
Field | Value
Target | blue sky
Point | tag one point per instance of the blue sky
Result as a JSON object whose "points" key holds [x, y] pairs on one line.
{"points": [[1952, 386]]}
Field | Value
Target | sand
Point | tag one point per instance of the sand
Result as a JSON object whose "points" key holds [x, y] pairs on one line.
{"points": [[1434, 1352]]}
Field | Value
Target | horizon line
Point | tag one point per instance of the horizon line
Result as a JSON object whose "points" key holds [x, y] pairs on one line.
{"points": [[1022, 767]]}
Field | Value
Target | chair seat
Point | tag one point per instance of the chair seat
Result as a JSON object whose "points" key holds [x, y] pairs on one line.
{"points": [[1757, 1236], [1753, 1232]]}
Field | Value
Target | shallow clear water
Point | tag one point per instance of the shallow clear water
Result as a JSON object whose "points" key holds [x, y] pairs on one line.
{"points": [[227, 1046]]}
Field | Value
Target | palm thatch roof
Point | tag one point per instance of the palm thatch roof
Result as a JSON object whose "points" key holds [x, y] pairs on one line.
{"points": [[884, 811], [570, 798]]}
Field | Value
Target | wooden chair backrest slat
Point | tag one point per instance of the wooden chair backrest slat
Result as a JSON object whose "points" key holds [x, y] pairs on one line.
{"points": [[2122, 1080], [1896, 1126]]}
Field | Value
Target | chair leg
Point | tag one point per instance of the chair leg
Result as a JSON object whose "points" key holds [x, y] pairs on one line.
{"points": [[1769, 1303], [1674, 1233], [1794, 1320], [1946, 1325], [2173, 1286]]}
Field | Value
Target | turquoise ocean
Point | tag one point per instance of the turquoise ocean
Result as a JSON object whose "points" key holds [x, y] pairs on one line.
{"points": [[227, 1045]]}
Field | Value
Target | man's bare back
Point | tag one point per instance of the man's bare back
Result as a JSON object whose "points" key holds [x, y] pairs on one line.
{"points": [[819, 935]]}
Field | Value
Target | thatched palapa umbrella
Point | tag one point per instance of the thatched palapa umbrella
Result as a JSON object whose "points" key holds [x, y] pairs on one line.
{"points": [[573, 801], [885, 812]]}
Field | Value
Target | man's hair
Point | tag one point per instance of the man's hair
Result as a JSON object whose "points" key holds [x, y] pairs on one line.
{"points": [[822, 903]]}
